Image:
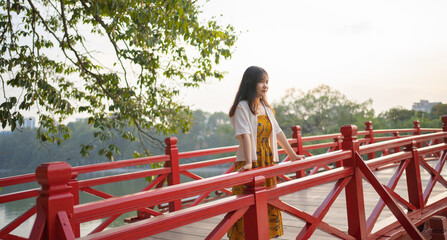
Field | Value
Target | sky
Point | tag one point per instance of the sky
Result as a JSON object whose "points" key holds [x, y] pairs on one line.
{"points": [[394, 51]]}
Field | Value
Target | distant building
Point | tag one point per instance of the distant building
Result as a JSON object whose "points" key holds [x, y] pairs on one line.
{"points": [[29, 122], [424, 106]]}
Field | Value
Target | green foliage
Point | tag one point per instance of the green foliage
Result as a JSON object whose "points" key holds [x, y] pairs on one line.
{"points": [[399, 117], [20, 150], [320, 110], [439, 110], [323, 110], [52, 61]]}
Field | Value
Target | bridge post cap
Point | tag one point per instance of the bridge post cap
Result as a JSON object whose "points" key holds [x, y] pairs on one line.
{"points": [[416, 124], [53, 174], [368, 125], [259, 180], [412, 145], [444, 119], [348, 131], [296, 128], [256, 184], [171, 141]]}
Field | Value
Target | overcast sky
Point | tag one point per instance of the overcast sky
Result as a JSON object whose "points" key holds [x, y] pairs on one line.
{"points": [[394, 52]]}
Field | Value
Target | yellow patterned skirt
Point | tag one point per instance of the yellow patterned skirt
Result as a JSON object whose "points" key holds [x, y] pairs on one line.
{"points": [[265, 158]]}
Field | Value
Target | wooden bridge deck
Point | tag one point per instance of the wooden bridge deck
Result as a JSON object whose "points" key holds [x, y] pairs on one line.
{"points": [[307, 201]]}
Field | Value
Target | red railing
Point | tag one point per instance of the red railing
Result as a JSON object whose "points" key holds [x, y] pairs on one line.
{"points": [[60, 185]]}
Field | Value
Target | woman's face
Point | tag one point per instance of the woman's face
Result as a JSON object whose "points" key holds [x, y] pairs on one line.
{"points": [[262, 87]]}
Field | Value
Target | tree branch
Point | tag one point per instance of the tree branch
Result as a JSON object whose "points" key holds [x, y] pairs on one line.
{"points": [[115, 46]]}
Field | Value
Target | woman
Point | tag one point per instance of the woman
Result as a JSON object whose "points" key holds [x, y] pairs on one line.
{"points": [[258, 134]]}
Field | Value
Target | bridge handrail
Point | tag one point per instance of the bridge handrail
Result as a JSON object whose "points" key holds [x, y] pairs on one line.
{"points": [[399, 142], [25, 178], [101, 209], [15, 180], [184, 168]]}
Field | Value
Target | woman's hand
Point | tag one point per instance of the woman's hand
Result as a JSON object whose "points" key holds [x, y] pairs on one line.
{"points": [[246, 167], [296, 157]]}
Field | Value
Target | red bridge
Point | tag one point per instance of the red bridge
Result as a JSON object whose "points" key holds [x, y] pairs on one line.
{"points": [[379, 200]]}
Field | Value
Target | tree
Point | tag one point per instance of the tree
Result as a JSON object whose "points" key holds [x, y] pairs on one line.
{"points": [[54, 61], [320, 110], [439, 110]]}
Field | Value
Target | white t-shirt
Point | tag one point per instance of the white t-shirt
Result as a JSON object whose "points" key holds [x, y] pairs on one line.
{"points": [[245, 122]]}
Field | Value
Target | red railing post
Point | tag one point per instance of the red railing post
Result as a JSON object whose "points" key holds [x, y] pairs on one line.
{"points": [[54, 203], [413, 174], [417, 131], [369, 128], [173, 163], [74, 184], [256, 223], [296, 134], [444, 125], [355, 205], [396, 149], [339, 147]]}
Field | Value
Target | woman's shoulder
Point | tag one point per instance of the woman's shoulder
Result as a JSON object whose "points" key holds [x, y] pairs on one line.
{"points": [[243, 104]]}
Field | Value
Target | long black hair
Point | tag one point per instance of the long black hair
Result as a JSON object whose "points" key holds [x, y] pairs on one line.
{"points": [[247, 88]]}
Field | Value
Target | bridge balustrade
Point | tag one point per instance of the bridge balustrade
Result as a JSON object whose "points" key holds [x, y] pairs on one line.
{"points": [[66, 218]]}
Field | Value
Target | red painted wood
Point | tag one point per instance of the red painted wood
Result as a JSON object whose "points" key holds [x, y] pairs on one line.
{"points": [[11, 197], [120, 164], [222, 228], [435, 175], [54, 196], [298, 141], [191, 175], [411, 229], [355, 206], [159, 179], [319, 146], [200, 199], [65, 231], [444, 126], [414, 181], [320, 137], [174, 176], [392, 183], [74, 189], [308, 182], [104, 224], [97, 193], [400, 199], [309, 218], [209, 163], [310, 227], [151, 226], [14, 224], [122, 177], [205, 152], [37, 231], [256, 217], [339, 146], [13, 237], [14, 180], [138, 201]]}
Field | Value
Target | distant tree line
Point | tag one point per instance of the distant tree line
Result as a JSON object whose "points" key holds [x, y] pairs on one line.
{"points": [[321, 110]]}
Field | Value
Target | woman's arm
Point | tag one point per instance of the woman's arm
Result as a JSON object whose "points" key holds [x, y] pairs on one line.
{"points": [[282, 140], [245, 144]]}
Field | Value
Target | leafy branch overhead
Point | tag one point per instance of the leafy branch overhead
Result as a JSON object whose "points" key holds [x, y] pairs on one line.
{"points": [[121, 63]]}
